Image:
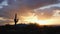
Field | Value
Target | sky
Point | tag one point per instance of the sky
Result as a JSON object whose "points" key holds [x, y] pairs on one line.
{"points": [[8, 8]]}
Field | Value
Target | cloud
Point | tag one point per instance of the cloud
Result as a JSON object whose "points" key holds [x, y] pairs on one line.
{"points": [[48, 9], [3, 3], [49, 6], [47, 12], [4, 21], [38, 3], [21, 7], [52, 12]]}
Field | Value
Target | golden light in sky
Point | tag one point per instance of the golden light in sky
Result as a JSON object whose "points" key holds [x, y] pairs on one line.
{"points": [[34, 19]]}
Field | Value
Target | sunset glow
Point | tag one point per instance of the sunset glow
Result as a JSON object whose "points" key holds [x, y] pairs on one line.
{"points": [[34, 19]]}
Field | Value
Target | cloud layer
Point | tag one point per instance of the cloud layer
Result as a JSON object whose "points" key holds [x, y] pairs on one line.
{"points": [[21, 7]]}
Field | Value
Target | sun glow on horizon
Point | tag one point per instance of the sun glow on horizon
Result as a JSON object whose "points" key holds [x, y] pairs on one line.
{"points": [[34, 19]]}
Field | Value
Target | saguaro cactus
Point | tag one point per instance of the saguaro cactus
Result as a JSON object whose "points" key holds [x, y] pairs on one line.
{"points": [[15, 20]]}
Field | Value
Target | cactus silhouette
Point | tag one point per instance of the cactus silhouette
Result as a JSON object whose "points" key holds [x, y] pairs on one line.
{"points": [[15, 20]]}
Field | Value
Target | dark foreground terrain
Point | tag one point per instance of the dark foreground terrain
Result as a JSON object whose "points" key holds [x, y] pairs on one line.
{"points": [[29, 29]]}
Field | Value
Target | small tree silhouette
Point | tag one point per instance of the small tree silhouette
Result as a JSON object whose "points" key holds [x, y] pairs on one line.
{"points": [[15, 20]]}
